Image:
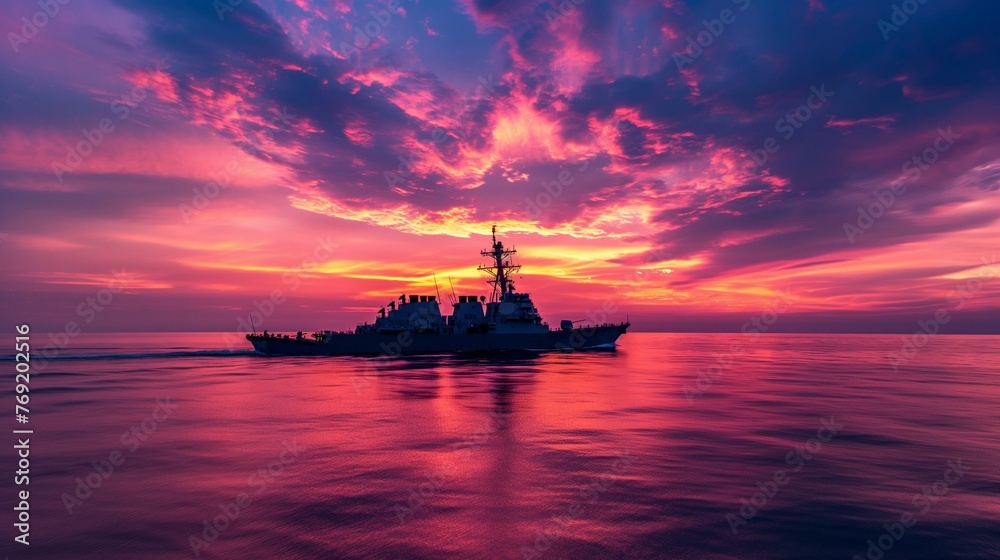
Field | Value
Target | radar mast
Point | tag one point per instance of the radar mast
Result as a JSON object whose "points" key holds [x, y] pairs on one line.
{"points": [[500, 269]]}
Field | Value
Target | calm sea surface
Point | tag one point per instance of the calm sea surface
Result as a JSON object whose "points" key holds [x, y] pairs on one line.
{"points": [[792, 446]]}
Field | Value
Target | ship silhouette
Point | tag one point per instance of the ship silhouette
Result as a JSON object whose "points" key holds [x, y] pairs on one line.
{"points": [[508, 321]]}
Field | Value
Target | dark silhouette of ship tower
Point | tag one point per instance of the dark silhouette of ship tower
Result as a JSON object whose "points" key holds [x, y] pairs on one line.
{"points": [[500, 269]]}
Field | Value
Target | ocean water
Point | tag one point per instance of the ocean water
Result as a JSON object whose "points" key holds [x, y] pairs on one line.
{"points": [[693, 446]]}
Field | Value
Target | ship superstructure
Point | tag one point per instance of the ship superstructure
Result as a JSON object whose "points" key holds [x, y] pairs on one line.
{"points": [[413, 324]]}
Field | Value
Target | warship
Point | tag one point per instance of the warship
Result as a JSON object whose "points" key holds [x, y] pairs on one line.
{"points": [[508, 321]]}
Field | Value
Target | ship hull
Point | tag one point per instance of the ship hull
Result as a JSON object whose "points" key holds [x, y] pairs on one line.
{"points": [[410, 343]]}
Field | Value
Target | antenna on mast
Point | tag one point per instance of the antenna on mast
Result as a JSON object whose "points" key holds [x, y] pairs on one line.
{"points": [[500, 269]]}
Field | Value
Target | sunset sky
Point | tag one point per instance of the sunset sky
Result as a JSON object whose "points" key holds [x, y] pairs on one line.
{"points": [[384, 142]]}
